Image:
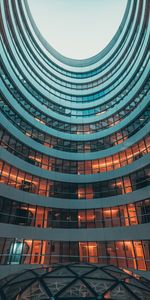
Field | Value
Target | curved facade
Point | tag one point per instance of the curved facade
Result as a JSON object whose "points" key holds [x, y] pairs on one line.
{"points": [[74, 146]]}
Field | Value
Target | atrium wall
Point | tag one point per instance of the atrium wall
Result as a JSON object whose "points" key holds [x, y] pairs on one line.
{"points": [[75, 146]]}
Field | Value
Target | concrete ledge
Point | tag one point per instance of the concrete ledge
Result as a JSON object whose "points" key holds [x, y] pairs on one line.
{"points": [[34, 199], [128, 233]]}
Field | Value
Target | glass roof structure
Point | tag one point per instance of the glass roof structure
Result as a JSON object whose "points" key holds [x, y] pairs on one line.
{"points": [[75, 281]]}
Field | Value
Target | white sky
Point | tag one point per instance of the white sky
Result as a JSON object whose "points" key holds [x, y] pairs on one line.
{"points": [[78, 28]]}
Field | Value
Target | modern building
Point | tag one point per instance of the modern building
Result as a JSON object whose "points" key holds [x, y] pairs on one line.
{"points": [[74, 147]]}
